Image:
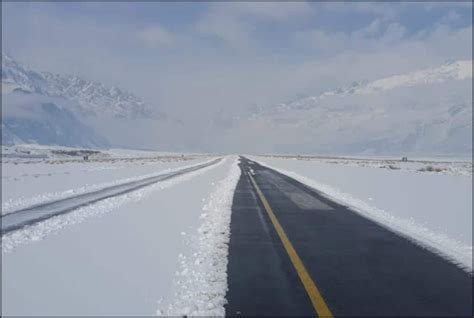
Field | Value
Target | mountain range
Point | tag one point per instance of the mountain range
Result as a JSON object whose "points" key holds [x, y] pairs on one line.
{"points": [[92, 98], [424, 112], [41, 107]]}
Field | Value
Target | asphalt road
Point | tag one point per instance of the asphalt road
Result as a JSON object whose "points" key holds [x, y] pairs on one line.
{"points": [[311, 256], [34, 214]]}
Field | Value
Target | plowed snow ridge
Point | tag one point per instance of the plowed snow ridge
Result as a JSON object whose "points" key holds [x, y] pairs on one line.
{"points": [[202, 277]]}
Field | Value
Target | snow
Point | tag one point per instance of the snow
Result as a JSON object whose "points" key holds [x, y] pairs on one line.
{"points": [[425, 112], [458, 70], [52, 225], [7, 87], [440, 165], [25, 183], [125, 262], [52, 152], [102, 114], [202, 276], [91, 97], [431, 209]]}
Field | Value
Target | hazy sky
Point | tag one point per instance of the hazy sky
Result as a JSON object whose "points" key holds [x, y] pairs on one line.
{"points": [[196, 58]]}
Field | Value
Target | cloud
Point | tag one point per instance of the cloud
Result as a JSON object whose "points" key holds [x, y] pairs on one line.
{"points": [[430, 5], [227, 29], [323, 41], [374, 34], [372, 28], [384, 11], [228, 55], [268, 10], [236, 23], [156, 36], [394, 32]]}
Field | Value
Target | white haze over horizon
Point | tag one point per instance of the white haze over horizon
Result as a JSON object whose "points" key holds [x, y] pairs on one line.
{"points": [[208, 63]]}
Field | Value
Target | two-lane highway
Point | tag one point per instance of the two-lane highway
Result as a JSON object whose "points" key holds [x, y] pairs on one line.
{"points": [[294, 252]]}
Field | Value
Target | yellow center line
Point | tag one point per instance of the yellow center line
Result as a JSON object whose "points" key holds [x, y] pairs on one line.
{"points": [[313, 292]]}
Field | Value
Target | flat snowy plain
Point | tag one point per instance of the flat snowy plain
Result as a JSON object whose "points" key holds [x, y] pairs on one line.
{"points": [[162, 249], [33, 174], [151, 251], [432, 208]]}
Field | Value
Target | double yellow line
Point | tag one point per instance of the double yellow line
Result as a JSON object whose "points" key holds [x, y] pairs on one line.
{"points": [[317, 300]]}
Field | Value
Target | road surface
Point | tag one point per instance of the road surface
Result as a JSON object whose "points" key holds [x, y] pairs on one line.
{"points": [[34, 214], [294, 252]]}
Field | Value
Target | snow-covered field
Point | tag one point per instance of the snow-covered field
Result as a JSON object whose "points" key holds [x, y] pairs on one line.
{"points": [[440, 165], [27, 153], [432, 208], [162, 249], [29, 180], [159, 249]]}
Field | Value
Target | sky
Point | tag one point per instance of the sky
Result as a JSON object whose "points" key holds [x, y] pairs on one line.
{"points": [[196, 59], [233, 55]]}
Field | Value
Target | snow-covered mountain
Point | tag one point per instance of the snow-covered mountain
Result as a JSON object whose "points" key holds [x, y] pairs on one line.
{"points": [[46, 108], [455, 70], [451, 71], [92, 98], [422, 112], [31, 118]]}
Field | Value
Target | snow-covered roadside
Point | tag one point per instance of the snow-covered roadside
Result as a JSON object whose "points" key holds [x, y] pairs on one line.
{"points": [[119, 264], [39, 231], [202, 277], [55, 180], [450, 166], [434, 211]]}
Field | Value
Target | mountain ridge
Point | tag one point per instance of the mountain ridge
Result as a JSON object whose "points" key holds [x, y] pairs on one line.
{"points": [[92, 98], [426, 111], [453, 70]]}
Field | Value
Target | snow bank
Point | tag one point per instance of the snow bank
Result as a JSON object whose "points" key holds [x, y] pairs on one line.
{"points": [[202, 277], [122, 263], [434, 211], [38, 231]]}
